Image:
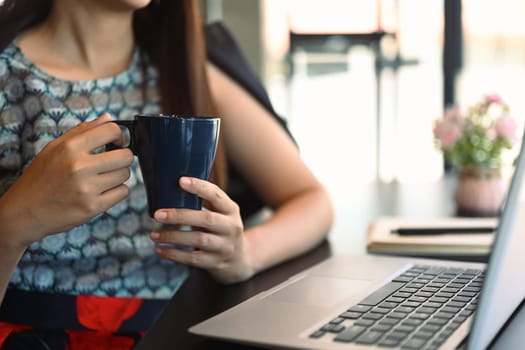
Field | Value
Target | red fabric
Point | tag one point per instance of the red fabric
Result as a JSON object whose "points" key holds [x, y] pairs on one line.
{"points": [[7, 328], [85, 340], [105, 313]]}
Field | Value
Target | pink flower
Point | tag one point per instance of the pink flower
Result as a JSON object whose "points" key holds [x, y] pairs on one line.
{"points": [[452, 114], [447, 133], [505, 127], [494, 98]]}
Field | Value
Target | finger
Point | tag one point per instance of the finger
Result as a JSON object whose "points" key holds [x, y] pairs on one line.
{"points": [[112, 179], [112, 160], [99, 135], [209, 192], [82, 127], [90, 136], [196, 239], [206, 219], [112, 196], [196, 258]]}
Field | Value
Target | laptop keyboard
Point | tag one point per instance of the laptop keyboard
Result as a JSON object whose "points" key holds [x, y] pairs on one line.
{"points": [[419, 309]]}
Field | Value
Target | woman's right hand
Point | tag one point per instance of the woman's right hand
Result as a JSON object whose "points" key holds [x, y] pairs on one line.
{"points": [[66, 184]]}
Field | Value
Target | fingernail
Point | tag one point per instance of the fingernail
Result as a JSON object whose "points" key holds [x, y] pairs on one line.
{"points": [[155, 235], [161, 215], [185, 181], [105, 116]]}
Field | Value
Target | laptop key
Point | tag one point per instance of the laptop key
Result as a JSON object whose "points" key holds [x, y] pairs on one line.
{"points": [[389, 321], [461, 299], [372, 316], [443, 294], [333, 328], [427, 310], [437, 321], [423, 294], [351, 315], [470, 307], [317, 334], [412, 322], [382, 293], [445, 315], [414, 343], [419, 316], [349, 334], [370, 337], [381, 310], [450, 309], [456, 304], [432, 304], [388, 305], [423, 334], [402, 295], [389, 343], [459, 319], [364, 322], [438, 300], [405, 309], [393, 299], [418, 299], [405, 328], [381, 328], [359, 308], [430, 289], [337, 320], [398, 335], [411, 304]]}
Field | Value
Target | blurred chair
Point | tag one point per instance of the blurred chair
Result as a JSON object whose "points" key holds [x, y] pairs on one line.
{"points": [[314, 43]]}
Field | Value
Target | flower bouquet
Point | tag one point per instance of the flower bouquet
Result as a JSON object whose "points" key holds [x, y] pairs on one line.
{"points": [[474, 142], [477, 137]]}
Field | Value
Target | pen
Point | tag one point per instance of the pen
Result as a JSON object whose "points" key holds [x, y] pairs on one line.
{"points": [[415, 231]]}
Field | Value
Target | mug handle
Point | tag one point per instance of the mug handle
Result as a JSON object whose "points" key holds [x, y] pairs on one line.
{"points": [[130, 125]]}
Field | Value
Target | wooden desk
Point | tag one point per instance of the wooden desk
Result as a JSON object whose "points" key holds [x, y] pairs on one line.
{"points": [[201, 297]]}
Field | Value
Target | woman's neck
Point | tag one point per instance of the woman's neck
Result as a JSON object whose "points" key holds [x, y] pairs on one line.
{"points": [[81, 40]]}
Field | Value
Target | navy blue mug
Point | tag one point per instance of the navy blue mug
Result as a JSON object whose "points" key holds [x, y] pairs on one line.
{"points": [[168, 147]]}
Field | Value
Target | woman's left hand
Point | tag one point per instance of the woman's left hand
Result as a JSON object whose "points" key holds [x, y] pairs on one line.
{"points": [[216, 234]]}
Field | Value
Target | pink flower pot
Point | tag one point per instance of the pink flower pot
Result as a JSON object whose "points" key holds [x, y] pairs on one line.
{"points": [[480, 191]]}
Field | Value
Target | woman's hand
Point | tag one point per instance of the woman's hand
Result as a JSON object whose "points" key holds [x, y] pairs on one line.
{"points": [[66, 184], [216, 234]]}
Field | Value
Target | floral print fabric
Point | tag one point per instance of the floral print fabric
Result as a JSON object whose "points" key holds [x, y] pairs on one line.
{"points": [[112, 255]]}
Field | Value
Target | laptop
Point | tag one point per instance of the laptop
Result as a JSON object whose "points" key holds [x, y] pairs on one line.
{"points": [[367, 302]]}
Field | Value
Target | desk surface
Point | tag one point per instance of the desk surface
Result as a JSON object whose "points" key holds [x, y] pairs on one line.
{"points": [[201, 297]]}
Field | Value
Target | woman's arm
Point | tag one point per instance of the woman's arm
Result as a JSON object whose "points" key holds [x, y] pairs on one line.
{"points": [[259, 147], [64, 186], [9, 257], [263, 152]]}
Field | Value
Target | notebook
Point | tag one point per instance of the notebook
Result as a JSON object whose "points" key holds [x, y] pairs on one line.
{"points": [[361, 302], [383, 237]]}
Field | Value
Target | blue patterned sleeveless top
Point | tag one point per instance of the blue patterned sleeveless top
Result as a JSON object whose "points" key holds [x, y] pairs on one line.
{"points": [[111, 255]]}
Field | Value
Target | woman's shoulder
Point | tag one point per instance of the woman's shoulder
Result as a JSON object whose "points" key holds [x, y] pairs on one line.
{"points": [[12, 60]]}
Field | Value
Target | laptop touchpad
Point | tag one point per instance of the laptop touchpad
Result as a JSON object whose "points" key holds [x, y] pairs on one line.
{"points": [[320, 291]]}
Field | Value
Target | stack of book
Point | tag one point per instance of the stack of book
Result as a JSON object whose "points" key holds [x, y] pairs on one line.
{"points": [[436, 237]]}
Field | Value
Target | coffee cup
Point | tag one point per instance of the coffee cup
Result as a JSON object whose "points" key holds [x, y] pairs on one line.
{"points": [[169, 147]]}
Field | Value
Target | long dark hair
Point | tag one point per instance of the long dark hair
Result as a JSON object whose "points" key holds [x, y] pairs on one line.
{"points": [[171, 33]]}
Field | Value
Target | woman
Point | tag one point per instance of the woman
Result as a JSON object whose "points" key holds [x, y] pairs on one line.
{"points": [[74, 220]]}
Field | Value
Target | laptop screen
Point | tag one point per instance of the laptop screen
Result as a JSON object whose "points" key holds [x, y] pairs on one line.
{"points": [[504, 286]]}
